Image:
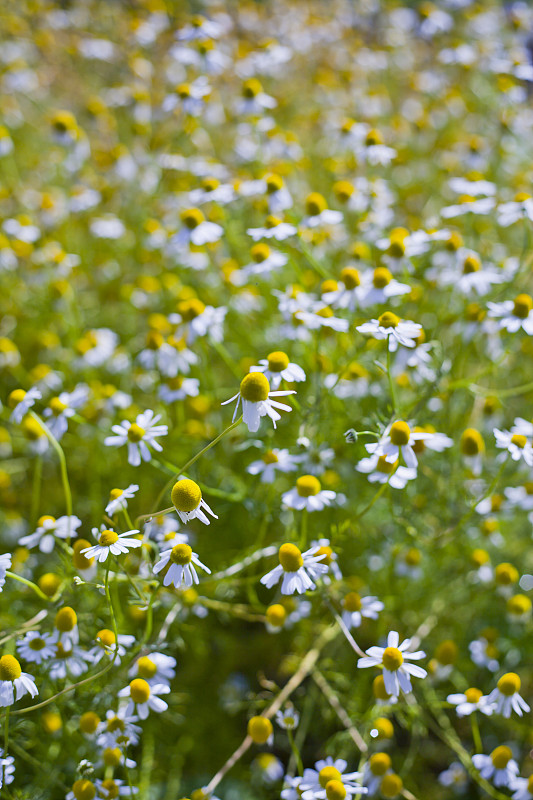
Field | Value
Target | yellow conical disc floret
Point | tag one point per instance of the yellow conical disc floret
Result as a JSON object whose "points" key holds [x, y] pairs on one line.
{"points": [[10, 668], [259, 729], [186, 495], [254, 387]]}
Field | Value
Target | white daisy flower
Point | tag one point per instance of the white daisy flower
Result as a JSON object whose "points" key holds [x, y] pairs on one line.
{"points": [[97, 346], [5, 564], [256, 400], [37, 647], [274, 229], [308, 494], [48, 528], [182, 562], [199, 320], [7, 769], [513, 315], [106, 644], [118, 728], [143, 697], [471, 700], [297, 569], [356, 608], [516, 444], [348, 292], [482, 205], [138, 435], [110, 542], [379, 470], [455, 776], [377, 766], [288, 718], [178, 389], [393, 658], [21, 402], [68, 660], [482, 653], [119, 499], [273, 461], [499, 766], [196, 230], [506, 697], [113, 787], [14, 683], [329, 779], [188, 501], [60, 409], [519, 208], [391, 327], [277, 367], [399, 441], [521, 496], [523, 788], [321, 316], [317, 212], [378, 287], [154, 668], [254, 100]]}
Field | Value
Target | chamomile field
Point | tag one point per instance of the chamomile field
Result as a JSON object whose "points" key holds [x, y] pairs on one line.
{"points": [[266, 347]]}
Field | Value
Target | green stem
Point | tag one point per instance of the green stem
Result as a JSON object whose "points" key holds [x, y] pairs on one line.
{"points": [[303, 531], [6, 743], [295, 753], [62, 466], [26, 582], [391, 382], [476, 735]]}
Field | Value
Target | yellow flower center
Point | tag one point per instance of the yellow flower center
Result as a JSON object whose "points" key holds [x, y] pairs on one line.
{"points": [[107, 538], [343, 190], [273, 183], [471, 442], [454, 242], [380, 763], [37, 643], [522, 306], [80, 560], [9, 668], [335, 790], [392, 659], [111, 756], [278, 361], [190, 309], [308, 486], [210, 184], [518, 605], [251, 88], [135, 432], [16, 397], [352, 602], [509, 684], [329, 286], [373, 137], [83, 789], [260, 252], [327, 552], [192, 217], [382, 277], [378, 688], [519, 440], [400, 433], [396, 249], [506, 574], [391, 785], [186, 495], [447, 652], [106, 638], [146, 668], [270, 457], [114, 494], [328, 774], [66, 619], [350, 277], [384, 727], [384, 466], [276, 615], [290, 557], [471, 264], [181, 554], [139, 690], [57, 406], [260, 729], [472, 695], [501, 756], [115, 724], [254, 387], [89, 722], [388, 320], [110, 788], [315, 204]]}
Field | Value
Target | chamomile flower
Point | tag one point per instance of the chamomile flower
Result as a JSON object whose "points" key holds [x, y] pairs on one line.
{"points": [[139, 436], [377, 766], [14, 683], [255, 396], [516, 444], [523, 788], [154, 668], [254, 100], [21, 402], [110, 788], [471, 700], [506, 696], [399, 441], [397, 331], [482, 653], [514, 315], [144, 698], [288, 718], [188, 501], [394, 659], [110, 542], [36, 647], [264, 262], [379, 470], [196, 320], [61, 408], [274, 229], [296, 570], [317, 212], [330, 780], [378, 287], [356, 608], [178, 389], [68, 660], [118, 728], [48, 529], [182, 562], [321, 316], [7, 769], [5, 564], [106, 645], [118, 499], [196, 230], [500, 767], [519, 208], [309, 494], [277, 367], [273, 461]]}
